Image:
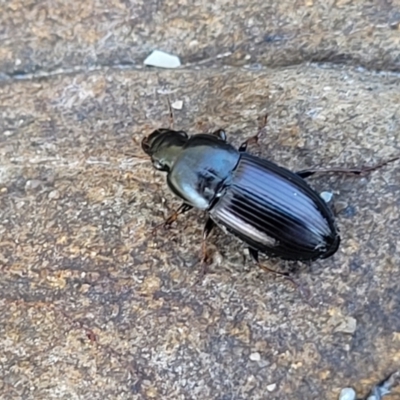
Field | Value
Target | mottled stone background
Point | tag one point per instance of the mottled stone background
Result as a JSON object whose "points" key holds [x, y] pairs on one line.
{"points": [[92, 306]]}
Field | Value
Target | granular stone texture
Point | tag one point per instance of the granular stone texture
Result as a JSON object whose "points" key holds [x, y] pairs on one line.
{"points": [[51, 34], [93, 305]]}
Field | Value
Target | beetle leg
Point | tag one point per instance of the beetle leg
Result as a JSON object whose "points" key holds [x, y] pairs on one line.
{"points": [[358, 171], [220, 133], [208, 227], [171, 114], [254, 139], [173, 217], [306, 173], [254, 256]]}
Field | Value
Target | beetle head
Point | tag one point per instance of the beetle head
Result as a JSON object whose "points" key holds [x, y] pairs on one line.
{"points": [[163, 146]]}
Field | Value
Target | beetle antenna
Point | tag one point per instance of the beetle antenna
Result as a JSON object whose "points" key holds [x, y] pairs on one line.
{"points": [[255, 138], [263, 127], [264, 122], [171, 114]]}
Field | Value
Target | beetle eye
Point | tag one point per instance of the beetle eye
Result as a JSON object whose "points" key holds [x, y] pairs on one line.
{"points": [[158, 165]]}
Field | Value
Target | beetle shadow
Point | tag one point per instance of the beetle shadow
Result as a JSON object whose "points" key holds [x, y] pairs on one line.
{"points": [[234, 253]]}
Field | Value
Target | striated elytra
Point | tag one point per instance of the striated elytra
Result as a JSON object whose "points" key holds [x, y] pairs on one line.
{"points": [[273, 210]]}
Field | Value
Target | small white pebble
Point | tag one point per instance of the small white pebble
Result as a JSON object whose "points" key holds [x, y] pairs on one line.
{"points": [[177, 105], [255, 357], [347, 394], [271, 387], [32, 184], [162, 60], [347, 325], [8, 133], [54, 195], [326, 196]]}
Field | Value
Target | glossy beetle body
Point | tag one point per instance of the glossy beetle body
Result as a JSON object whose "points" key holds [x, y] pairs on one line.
{"points": [[273, 210]]}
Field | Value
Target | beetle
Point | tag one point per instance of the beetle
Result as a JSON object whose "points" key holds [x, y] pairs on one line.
{"points": [[270, 208]]}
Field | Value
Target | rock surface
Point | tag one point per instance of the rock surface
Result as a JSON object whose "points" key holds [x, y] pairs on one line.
{"points": [[93, 306]]}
